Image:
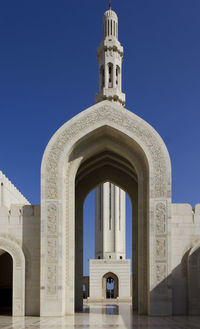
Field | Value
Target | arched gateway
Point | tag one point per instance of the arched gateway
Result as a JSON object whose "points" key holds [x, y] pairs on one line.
{"points": [[105, 143]]}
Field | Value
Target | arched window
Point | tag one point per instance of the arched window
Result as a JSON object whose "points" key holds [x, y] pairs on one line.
{"points": [[117, 76], [110, 75], [102, 76]]}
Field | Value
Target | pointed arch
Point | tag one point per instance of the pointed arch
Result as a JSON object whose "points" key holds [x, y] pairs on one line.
{"points": [[17, 255], [115, 279], [105, 127]]}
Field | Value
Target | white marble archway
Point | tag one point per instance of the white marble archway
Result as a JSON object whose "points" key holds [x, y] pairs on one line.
{"points": [[17, 255], [58, 174]]}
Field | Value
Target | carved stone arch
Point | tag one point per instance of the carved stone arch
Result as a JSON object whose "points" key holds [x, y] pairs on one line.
{"points": [[194, 280], [17, 255], [58, 174]]}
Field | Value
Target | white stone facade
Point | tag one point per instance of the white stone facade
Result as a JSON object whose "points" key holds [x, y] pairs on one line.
{"points": [[98, 268], [9, 194], [105, 143]]}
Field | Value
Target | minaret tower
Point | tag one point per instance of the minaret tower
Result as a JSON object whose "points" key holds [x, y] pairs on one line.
{"points": [[110, 199], [110, 56], [109, 222], [110, 264]]}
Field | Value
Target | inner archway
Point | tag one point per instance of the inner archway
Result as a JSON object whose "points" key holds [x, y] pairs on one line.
{"points": [[112, 168], [6, 283], [110, 286]]}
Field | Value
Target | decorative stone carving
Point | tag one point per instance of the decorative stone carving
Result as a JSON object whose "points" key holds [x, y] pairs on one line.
{"points": [[161, 272], [51, 219], [160, 218], [52, 252], [120, 118], [160, 248], [151, 150], [52, 280]]}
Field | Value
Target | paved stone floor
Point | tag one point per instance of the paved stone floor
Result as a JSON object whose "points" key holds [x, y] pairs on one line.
{"points": [[102, 316]]}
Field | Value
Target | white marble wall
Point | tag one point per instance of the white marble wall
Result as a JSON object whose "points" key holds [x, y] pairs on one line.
{"points": [[185, 233], [20, 227], [98, 268], [9, 194]]}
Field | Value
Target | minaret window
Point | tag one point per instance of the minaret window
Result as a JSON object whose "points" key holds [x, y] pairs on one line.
{"points": [[102, 76], [117, 75], [111, 27], [110, 77]]}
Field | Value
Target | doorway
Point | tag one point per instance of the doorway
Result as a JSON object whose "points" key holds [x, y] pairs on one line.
{"points": [[6, 283], [110, 286]]}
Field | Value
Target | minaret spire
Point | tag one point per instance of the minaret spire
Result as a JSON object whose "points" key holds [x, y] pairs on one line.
{"points": [[110, 56]]}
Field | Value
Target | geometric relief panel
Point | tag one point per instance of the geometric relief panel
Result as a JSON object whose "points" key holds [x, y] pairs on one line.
{"points": [[161, 272], [51, 280], [51, 249], [160, 248], [160, 218], [51, 219]]}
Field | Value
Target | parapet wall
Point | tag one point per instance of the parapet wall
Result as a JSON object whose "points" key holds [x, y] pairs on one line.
{"points": [[185, 233], [185, 229], [9, 194]]}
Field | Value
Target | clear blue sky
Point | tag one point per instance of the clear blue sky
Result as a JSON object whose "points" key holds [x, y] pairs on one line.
{"points": [[49, 73]]}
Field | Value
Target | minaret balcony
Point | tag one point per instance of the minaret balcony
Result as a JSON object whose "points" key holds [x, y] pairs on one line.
{"points": [[107, 45], [111, 94]]}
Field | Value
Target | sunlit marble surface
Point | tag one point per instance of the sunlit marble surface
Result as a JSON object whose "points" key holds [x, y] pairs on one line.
{"points": [[102, 316]]}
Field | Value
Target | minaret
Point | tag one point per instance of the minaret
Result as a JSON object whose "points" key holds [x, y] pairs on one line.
{"points": [[110, 263], [109, 222], [110, 199], [110, 56]]}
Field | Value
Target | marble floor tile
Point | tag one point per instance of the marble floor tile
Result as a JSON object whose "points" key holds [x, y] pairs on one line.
{"points": [[96, 316]]}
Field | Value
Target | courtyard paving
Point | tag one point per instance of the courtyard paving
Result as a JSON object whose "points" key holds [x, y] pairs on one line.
{"points": [[102, 316]]}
